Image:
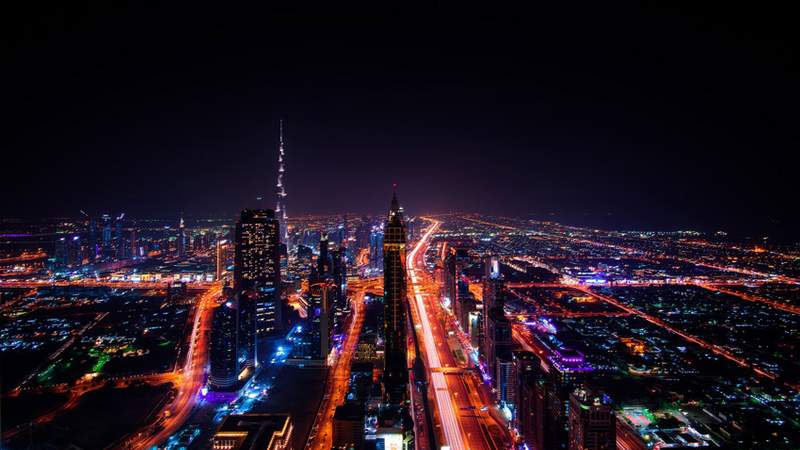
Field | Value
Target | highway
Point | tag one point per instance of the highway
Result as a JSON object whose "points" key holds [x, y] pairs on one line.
{"points": [[457, 394], [192, 376], [90, 283], [339, 376]]}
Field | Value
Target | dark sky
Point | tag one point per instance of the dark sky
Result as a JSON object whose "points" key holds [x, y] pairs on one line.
{"points": [[618, 116]]}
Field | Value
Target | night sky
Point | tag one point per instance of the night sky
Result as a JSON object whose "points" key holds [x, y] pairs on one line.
{"points": [[612, 116]]}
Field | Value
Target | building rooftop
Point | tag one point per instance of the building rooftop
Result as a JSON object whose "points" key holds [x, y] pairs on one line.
{"points": [[253, 431]]}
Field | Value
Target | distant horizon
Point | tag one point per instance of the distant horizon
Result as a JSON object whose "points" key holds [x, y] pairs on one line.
{"points": [[777, 235]]}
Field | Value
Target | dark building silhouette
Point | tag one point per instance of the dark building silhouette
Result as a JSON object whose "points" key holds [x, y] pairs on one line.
{"points": [[247, 304], [376, 247], [224, 347], [348, 426], [181, 241], [339, 279], [395, 377], [592, 424], [498, 341], [321, 320], [525, 367], [324, 260]]}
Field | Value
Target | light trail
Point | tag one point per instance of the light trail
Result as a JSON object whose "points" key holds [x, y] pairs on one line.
{"points": [[192, 375], [338, 379], [447, 413]]}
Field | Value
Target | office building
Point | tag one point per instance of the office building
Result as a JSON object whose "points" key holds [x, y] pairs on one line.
{"points": [[248, 301], [395, 376], [498, 340], [257, 265], [376, 248], [348, 426], [224, 371], [254, 431], [592, 423], [321, 320]]}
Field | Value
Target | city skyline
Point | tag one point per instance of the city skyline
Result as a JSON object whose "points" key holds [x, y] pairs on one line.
{"points": [[374, 227]]}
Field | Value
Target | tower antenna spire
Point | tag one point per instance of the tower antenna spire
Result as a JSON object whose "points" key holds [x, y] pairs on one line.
{"points": [[280, 208]]}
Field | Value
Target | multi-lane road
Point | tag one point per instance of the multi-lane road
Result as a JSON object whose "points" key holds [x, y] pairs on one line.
{"points": [[461, 409], [192, 376], [339, 375]]}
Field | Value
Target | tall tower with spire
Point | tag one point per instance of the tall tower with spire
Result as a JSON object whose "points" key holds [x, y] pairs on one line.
{"points": [[181, 238], [395, 375], [280, 208]]}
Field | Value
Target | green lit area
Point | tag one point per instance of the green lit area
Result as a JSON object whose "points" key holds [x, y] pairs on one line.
{"points": [[102, 359], [98, 366], [46, 375]]}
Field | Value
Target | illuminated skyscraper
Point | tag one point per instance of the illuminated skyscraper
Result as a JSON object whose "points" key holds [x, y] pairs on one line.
{"points": [[280, 207], [257, 265], [395, 377], [376, 248], [106, 245], [181, 238]]}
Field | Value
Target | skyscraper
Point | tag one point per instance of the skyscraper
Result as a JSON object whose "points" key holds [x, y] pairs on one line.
{"points": [[248, 303], [324, 260], [376, 248], [280, 207], [592, 424], [321, 317], [224, 347], [181, 238], [498, 341], [395, 377], [257, 265]]}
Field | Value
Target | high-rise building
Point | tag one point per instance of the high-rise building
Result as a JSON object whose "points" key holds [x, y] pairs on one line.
{"points": [[558, 375], [348, 426], [321, 320], [449, 278], [362, 233], [497, 339], [376, 248], [257, 265], [280, 206], [106, 243], [525, 364], [121, 249], [324, 260], [395, 376], [221, 245], [224, 346], [592, 424], [248, 301], [504, 379], [135, 253], [339, 277], [526, 373], [181, 238]]}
